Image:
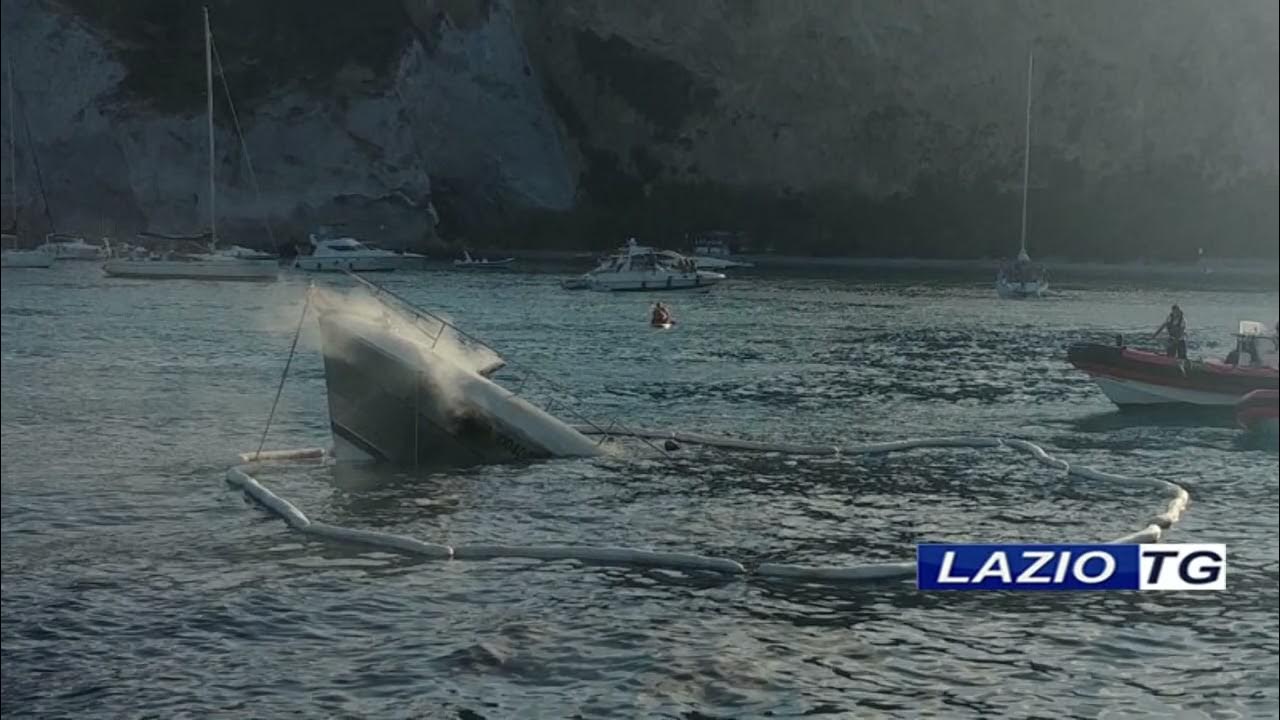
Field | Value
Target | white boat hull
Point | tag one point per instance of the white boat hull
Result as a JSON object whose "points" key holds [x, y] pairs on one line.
{"points": [[311, 263], [484, 264], [25, 259], [711, 263], [1030, 289], [654, 283], [1134, 392], [235, 270], [73, 251]]}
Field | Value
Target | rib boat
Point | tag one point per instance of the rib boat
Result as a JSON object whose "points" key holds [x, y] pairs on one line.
{"points": [[1137, 377]]}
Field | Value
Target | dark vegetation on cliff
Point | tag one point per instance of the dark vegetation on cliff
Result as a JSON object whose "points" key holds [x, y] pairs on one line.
{"points": [[265, 46], [650, 186]]}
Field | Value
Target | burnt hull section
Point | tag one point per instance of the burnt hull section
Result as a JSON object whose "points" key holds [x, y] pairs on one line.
{"points": [[395, 401]]}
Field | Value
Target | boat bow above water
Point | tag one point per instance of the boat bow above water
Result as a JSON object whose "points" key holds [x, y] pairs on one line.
{"points": [[405, 387]]}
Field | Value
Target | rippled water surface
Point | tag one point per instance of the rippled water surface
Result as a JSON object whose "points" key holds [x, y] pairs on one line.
{"points": [[137, 583]]}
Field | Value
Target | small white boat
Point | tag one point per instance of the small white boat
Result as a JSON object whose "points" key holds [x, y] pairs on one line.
{"points": [[234, 263], [68, 247], [471, 263], [347, 253], [13, 257], [640, 268], [1021, 279]]}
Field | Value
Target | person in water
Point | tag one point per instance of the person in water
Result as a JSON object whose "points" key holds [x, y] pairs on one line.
{"points": [[1176, 326], [661, 315]]}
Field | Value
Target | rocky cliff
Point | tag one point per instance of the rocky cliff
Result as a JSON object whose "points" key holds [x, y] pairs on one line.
{"points": [[824, 126]]}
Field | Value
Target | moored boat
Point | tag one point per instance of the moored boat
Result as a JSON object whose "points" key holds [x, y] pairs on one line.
{"points": [[640, 268], [11, 256], [469, 263], [194, 266], [1137, 377], [233, 263], [1258, 413], [70, 247], [1020, 278], [343, 254]]}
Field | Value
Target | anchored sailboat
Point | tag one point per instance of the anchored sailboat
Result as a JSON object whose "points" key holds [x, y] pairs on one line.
{"points": [[234, 263], [1019, 278], [11, 256]]}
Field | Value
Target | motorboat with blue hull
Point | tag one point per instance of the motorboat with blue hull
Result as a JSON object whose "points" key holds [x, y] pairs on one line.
{"points": [[399, 395]]}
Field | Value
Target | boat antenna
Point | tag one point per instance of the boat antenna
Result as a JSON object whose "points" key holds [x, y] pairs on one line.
{"points": [[208, 72], [1026, 155]]}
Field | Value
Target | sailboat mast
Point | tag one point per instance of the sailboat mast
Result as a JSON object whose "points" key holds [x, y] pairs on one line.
{"points": [[208, 68], [13, 146], [1026, 154]]}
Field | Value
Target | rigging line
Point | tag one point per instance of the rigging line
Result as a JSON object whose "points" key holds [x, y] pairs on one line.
{"points": [[284, 375], [244, 147], [31, 146]]}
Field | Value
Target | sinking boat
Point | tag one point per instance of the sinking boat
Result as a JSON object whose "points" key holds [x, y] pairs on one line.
{"points": [[408, 388], [1258, 413], [1137, 377]]}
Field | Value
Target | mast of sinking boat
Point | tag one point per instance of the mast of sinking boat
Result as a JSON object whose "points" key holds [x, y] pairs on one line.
{"points": [[208, 71], [1026, 155]]}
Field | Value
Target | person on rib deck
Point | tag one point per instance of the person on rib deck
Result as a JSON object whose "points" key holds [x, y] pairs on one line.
{"points": [[1176, 326]]}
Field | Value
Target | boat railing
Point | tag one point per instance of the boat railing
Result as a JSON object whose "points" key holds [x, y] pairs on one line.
{"points": [[559, 398]]}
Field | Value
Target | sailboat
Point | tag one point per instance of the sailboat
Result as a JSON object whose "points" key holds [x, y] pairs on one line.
{"points": [[1020, 278], [234, 263], [11, 256]]}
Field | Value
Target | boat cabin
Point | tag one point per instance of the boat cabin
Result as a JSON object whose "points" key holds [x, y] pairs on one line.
{"points": [[1255, 347]]}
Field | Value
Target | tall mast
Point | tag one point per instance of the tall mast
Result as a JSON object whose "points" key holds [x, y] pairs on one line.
{"points": [[1026, 155], [208, 68], [13, 147]]}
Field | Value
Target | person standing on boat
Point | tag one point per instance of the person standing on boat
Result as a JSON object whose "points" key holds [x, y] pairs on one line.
{"points": [[1176, 326]]}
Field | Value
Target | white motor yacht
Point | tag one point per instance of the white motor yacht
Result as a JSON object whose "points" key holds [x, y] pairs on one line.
{"points": [[70, 247], [346, 253], [640, 268]]}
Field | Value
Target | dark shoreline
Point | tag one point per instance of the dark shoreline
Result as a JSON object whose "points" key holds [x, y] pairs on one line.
{"points": [[1255, 269]]}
